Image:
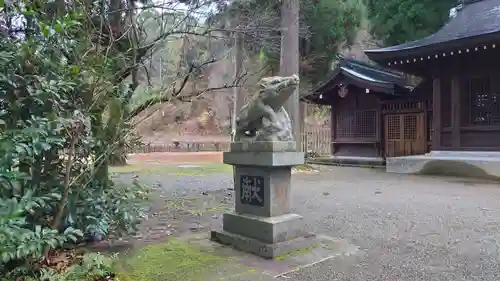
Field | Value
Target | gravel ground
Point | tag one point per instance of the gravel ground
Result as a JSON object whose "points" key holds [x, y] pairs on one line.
{"points": [[183, 204], [408, 227]]}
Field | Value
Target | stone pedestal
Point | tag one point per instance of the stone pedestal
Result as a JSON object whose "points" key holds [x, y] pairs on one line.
{"points": [[262, 222]]}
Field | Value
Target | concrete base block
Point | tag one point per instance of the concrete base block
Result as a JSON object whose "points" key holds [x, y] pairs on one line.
{"points": [[453, 163], [266, 229], [348, 161], [264, 250]]}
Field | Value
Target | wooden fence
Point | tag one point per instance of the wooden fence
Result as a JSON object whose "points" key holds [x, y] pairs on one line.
{"points": [[180, 147], [316, 140]]}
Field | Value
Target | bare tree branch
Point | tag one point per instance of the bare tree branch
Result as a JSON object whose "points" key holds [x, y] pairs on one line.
{"points": [[176, 93]]}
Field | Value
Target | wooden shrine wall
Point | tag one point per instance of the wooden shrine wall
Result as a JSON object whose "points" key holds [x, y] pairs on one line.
{"points": [[356, 124], [469, 98]]}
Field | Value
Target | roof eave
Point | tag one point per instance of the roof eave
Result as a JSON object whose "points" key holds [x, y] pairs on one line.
{"points": [[376, 68], [328, 82], [343, 74], [381, 55], [382, 87], [315, 100]]}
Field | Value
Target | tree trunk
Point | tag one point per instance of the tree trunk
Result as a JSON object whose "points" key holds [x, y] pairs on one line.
{"points": [[238, 98], [289, 59]]}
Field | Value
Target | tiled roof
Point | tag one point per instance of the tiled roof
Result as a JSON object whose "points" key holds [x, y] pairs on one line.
{"points": [[376, 73], [372, 75], [474, 19]]}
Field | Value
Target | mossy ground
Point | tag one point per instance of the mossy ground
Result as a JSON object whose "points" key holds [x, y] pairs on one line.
{"points": [[175, 170], [172, 260], [295, 253], [305, 168]]}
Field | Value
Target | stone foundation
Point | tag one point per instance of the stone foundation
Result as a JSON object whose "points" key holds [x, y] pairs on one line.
{"points": [[477, 164], [350, 161], [262, 222], [264, 250]]}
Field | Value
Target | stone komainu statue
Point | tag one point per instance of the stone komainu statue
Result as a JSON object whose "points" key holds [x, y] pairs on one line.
{"points": [[264, 118]]}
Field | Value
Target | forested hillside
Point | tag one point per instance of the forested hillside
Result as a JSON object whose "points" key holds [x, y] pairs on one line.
{"points": [[328, 28]]}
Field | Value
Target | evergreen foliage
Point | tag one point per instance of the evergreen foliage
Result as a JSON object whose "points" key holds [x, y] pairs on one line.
{"points": [[399, 21]]}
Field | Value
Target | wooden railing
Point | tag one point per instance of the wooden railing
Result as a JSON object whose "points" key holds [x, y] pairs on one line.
{"points": [[315, 139]]}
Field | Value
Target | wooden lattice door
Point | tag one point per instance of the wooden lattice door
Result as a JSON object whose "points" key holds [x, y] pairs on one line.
{"points": [[405, 134]]}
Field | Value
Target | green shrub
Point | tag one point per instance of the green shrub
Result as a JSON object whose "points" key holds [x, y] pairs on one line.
{"points": [[61, 123], [20, 239]]}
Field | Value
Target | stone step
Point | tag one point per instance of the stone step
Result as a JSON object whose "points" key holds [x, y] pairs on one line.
{"points": [[468, 154]]}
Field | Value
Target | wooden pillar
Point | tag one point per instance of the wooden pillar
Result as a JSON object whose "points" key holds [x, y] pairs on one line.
{"points": [[302, 118], [436, 114], [333, 125], [379, 130], [455, 112], [425, 105]]}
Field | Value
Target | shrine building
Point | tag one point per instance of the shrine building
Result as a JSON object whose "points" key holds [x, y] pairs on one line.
{"points": [[449, 123]]}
